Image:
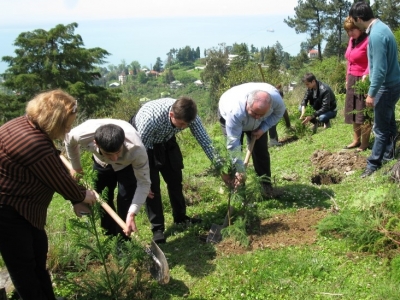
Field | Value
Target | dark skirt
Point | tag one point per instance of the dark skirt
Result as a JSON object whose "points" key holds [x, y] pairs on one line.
{"points": [[355, 103]]}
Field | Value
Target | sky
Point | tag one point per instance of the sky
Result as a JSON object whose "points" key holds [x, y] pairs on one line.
{"points": [[141, 31]]}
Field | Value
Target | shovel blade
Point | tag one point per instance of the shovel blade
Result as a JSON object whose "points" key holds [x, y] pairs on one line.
{"points": [[214, 235], [159, 269]]}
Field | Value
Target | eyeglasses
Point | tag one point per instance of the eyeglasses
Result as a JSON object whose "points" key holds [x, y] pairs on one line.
{"points": [[255, 114]]}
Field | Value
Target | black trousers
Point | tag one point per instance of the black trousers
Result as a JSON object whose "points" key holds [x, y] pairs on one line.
{"points": [[171, 172], [260, 154], [24, 248], [126, 180], [273, 133]]}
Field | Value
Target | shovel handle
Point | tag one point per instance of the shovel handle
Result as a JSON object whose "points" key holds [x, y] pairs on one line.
{"points": [[249, 151], [103, 204]]}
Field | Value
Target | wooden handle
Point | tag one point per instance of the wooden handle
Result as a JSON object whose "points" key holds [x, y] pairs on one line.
{"points": [[249, 151], [103, 204]]}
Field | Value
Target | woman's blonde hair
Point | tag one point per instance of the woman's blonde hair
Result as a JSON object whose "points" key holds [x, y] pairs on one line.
{"points": [[51, 110], [349, 24]]}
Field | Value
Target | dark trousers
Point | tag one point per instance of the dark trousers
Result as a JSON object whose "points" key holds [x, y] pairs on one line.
{"points": [[24, 248], [260, 154], [273, 133], [126, 180], [171, 172]]}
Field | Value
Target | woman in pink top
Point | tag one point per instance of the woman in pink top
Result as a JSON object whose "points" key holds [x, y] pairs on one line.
{"points": [[357, 69]]}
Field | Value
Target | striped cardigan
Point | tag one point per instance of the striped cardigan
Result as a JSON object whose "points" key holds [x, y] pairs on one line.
{"points": [[31, 171]]}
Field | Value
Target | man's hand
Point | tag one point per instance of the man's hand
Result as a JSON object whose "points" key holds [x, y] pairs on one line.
{"points": [[130, 224], [240, 179], [306, 120], [257, 133], [234, 183], [226, 178], [369, 101], [81, 209], [151, 194]]}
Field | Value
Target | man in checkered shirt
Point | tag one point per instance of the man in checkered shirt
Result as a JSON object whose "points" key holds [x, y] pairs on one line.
{"points": [[157, 123]]}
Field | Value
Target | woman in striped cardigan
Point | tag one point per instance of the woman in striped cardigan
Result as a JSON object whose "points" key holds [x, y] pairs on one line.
{"points": [[31, 171]]}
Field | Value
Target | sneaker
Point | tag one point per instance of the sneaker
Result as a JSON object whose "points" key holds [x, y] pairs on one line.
{"points": [[188, 220], [158, 237], [367, 172], [273, 143]]}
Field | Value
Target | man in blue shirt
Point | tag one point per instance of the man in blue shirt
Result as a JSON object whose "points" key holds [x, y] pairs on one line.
{"points": [[384, 90], [251, 108]]}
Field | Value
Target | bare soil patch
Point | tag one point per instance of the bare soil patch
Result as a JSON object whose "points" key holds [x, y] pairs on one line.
{"points": [[331, 168], [280, 231], [299, 228]]}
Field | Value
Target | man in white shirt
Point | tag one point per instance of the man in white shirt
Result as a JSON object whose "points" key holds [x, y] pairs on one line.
{"points": [[251, 108], [119, 156]]}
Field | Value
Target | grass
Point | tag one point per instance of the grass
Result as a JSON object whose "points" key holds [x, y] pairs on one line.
{"points": [[335, 267]]}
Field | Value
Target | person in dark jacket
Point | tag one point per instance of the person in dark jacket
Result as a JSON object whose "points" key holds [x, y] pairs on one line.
{"points": [[321, 97]]}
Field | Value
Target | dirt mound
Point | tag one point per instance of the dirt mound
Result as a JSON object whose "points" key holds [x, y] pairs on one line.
{"points": [[331, 168], [280, 231]]}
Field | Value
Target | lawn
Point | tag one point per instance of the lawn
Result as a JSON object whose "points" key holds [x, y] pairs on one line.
{"points": [[290, 253]]}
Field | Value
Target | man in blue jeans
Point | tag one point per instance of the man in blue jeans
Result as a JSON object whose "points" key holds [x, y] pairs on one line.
{"points": [[384, 90], [321, 98]]}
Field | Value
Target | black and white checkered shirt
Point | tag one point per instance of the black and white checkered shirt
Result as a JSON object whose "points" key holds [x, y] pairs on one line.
{"points": [[154, 125]]}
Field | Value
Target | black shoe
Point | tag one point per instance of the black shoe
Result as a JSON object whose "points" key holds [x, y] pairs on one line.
{"points": [[158, 237], [188, 220], [367, 172], [267, 191]]}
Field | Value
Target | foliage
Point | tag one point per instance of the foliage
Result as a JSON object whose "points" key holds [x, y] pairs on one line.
{"points": [[158, 65], [56, 59], [388, 12], [331, 72], [372, 221], [310, 17], [11, 106], [361, 87], [115, 256], [214, 73]]}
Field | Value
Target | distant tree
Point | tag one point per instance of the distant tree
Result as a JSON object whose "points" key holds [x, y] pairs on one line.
{"points": [[388, 11], [186, 55], [198, 52], [56, 59], [213, 74], [135, 65], [142, 78], [168, 76], [272, 60], [158, 65], [253, 49], [11, 106], [310, 17], [337, 12], [243, 53], [298, 62], [333, 48]]}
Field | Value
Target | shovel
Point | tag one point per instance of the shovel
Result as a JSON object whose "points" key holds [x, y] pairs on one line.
{"points": [[214, 235], [159, 269]]}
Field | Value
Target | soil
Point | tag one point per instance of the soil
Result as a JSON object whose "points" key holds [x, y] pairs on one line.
{"points": [[299, 228]]}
